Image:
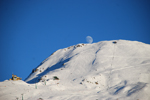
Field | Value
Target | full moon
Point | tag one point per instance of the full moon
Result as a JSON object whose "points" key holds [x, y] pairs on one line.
{"points": [[89, 39]]}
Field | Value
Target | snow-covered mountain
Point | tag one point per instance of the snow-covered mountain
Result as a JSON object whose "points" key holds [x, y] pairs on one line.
{"points": [[107, 70]]}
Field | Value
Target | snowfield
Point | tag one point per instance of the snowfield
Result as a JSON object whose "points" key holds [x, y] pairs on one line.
{"points": [[107, 70]]}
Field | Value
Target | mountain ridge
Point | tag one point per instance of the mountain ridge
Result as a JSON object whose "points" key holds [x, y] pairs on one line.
{"points": [[73, 48], [107, 70]]}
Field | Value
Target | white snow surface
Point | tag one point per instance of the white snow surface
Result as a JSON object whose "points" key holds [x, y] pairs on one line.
{"points": [[98, 71]]}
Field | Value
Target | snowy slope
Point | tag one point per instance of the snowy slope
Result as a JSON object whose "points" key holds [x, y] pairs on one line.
{"points": [[98, 71]]}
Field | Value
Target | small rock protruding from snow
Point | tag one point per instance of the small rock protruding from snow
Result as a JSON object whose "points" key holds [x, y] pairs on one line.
{"points": [[75, 46], [114, 42], [79, 45]]}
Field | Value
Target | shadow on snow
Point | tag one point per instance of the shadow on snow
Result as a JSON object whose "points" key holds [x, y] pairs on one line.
{"points": [[58, 65]]}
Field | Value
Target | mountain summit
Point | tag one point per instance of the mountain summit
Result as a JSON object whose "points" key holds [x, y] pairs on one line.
{"points": [[107, 70]]}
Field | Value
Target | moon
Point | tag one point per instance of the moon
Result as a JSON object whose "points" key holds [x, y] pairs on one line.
{"points": [[89, 39]]}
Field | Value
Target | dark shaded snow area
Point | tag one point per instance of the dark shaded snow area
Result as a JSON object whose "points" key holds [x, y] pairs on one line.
{"points": [[107, 70]]}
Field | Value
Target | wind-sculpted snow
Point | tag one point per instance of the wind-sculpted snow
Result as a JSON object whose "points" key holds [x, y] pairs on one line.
{"points": [[107, 70], [136, 88], [117, 88]]}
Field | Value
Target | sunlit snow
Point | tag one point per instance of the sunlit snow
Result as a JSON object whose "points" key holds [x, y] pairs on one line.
{"points": [[107, 70]]}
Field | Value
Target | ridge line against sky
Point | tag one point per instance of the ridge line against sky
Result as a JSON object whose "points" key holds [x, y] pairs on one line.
{"points": [[31, 30]]}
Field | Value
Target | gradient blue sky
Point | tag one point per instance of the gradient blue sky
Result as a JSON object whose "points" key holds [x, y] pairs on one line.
{"points": [[30, 30]]}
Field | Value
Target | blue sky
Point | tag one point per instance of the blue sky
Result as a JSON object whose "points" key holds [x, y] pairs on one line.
{"points": [[30, 30]]}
